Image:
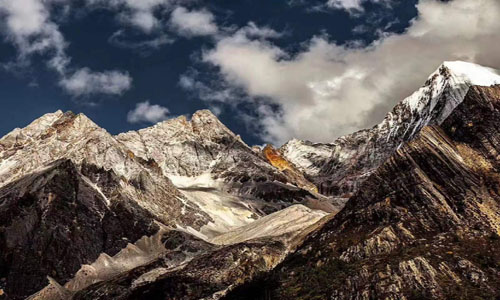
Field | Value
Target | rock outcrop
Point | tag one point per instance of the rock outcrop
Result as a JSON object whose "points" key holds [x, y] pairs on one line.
{"points": [[206, 276], [55, 220], [203, 146]]}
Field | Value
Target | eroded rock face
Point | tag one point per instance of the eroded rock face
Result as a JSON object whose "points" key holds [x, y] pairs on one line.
{"points": [[424, 225], [76, 138], [144, 261], [53, 221], [207, 276]]}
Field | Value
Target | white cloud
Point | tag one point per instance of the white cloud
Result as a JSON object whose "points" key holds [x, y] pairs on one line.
{"points": [[193, 23], [329, 90], [345, 4], [28, 26], [86, 82], [353, 6], [145, 112]]}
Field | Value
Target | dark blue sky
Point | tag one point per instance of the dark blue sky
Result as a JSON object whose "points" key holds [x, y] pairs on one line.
{"points": [[27, 92]]}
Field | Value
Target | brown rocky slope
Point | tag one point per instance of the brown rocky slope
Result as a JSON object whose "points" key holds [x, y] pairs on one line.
{"points": [[424, 225]]}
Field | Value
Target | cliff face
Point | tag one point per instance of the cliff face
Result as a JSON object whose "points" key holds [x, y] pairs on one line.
{"points": [[207, 276], [53, 221], [424, 225], [215, 169], [76, 138]]}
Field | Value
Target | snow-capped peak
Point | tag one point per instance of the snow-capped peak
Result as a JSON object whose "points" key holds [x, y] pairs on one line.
{"points": [[359, 153], [472, 73], [433, 103], [455, 75]]}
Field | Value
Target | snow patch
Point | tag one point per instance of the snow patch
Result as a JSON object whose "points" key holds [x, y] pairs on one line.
{"points": [[473, 74], [204, 180], [227, 211], [95, 187], [290, 220]]}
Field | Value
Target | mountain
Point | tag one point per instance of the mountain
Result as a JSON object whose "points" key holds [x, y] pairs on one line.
{"points": [[70, 193], [206, 160], [408, 209], [54, 220], [339, 168], [424, 225], [76, 138]]}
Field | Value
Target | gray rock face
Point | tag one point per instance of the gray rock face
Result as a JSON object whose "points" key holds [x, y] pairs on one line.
{"points": [[204, 147], [206, 276], [76, 138], [141, 263]]}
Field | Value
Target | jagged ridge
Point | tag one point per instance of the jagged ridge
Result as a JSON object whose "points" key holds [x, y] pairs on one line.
{"points": [[339, 168]]}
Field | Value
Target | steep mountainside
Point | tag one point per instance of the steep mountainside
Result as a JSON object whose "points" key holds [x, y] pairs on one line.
{"points": [[54, 220], [176, 265], [424, 225], [146, 259], [75, 137], [339, 168]]}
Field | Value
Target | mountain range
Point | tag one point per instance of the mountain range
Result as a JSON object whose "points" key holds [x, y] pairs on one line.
{"points": [[185, 209]]}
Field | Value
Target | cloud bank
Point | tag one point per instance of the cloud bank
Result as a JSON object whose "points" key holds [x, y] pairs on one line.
{"points": [[328, 90]]}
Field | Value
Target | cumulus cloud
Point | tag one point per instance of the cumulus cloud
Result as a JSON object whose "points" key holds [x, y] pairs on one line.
{"points": [[28, 26], [144, 112], [328, 90], [157, 19], [193, 23], [86, 82]]}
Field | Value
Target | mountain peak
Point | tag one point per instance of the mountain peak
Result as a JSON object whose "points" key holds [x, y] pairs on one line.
{"points": [[445, 89], [474, 73], [340, 166], [204, 113]]}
